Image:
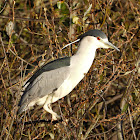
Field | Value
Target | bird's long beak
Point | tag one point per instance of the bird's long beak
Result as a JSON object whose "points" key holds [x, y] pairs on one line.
{"points": [[110, 45]]}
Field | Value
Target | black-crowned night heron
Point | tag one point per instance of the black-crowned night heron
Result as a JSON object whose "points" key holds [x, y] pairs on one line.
{"points": [[59, 77]]}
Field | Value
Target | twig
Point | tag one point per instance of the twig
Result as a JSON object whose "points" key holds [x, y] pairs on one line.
{"points": [[4, 6], [131, 122], [90, 128], [21, 58]]}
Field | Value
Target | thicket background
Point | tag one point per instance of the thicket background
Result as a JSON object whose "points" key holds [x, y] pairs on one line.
{"points": [[106, 103]]}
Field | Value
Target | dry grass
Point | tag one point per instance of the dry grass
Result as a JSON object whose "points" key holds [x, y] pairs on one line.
{"points": [[106, 103]]}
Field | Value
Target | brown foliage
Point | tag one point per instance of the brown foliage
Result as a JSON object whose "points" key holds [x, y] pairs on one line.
{"points": [[106, 103]]}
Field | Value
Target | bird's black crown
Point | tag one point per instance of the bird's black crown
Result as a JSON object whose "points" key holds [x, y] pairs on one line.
{"points": [[95, 33]]}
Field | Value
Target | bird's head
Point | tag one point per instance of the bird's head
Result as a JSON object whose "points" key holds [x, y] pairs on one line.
{"points": [[98, 38]]}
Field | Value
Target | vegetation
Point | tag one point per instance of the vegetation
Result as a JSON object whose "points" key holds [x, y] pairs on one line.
{"points": [[106, 103]]}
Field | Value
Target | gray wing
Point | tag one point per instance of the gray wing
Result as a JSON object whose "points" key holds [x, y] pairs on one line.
{"points": [[58, 63], [45, 82]]}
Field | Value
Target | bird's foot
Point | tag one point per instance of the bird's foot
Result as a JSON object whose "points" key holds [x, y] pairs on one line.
{"points": [[55, 117], [48, 108]]}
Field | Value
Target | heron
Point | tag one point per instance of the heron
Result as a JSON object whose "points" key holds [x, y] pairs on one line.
{"points": [[58, 78]]}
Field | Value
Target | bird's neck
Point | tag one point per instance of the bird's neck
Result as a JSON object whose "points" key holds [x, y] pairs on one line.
{"points": [[86, 50], [84, 56]]}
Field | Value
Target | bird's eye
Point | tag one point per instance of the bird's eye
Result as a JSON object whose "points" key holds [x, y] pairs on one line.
{"points": [[98, 38]]}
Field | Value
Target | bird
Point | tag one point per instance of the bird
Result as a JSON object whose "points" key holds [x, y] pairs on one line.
{"points": [[58, 78]]}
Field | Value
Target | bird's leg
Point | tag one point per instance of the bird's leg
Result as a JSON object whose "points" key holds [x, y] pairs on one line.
{"points": [[48, 108]]}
